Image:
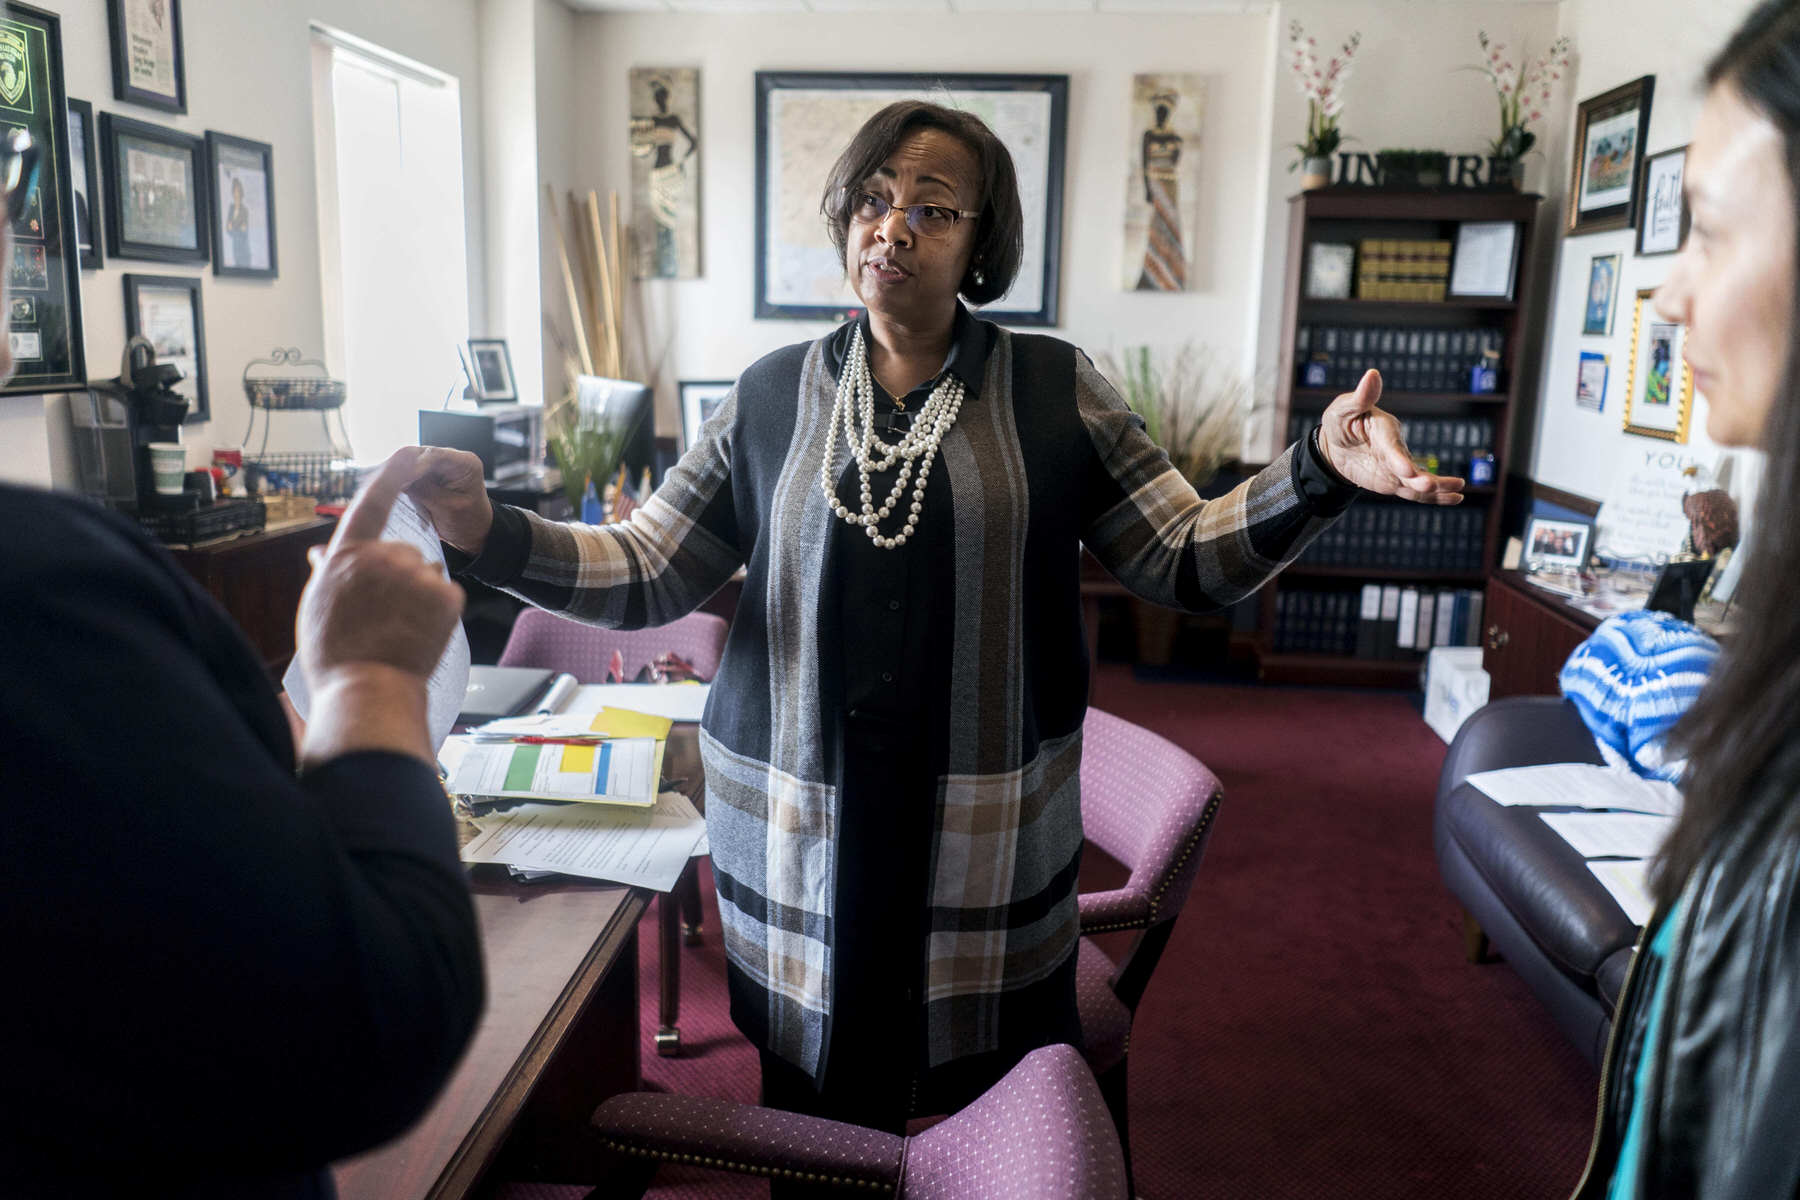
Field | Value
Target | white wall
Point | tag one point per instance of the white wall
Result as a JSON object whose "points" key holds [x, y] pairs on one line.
{"points": [[1618, 41], [249, 74], [703, 329]]}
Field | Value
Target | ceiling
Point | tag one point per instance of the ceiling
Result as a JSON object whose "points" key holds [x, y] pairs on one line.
{"points": [[916, 6]]}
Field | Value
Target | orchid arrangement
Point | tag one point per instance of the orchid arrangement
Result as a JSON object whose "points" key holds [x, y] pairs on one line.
{"points": [[1323, 87], [1523, 90]]}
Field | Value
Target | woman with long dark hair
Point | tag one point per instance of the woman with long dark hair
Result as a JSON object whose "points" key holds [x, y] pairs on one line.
{"points": [[1700, 1091]]}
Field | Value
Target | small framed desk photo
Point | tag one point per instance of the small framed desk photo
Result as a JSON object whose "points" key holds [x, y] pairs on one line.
{"points": [[1486, 260], [700, 398], [1552, 543]]}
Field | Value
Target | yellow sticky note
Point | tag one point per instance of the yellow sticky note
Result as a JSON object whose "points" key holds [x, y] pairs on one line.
{"points": [[623, 723], [578, 760]]}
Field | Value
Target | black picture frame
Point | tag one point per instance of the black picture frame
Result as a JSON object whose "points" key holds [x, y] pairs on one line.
{"points": [[493, 387], [699, 398], [1034, 296], [85, 190], [49, 355], [134, 31], [119, 138], [142, 288], [223, 153], [1599, 119], [1660, 192]]}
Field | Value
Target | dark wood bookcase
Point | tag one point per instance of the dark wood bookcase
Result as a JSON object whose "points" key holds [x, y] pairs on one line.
{"points": [[1351, 215]]}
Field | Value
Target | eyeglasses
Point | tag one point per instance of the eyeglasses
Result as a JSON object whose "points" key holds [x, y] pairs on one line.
{"points": [[18, 171], [926, 220]]}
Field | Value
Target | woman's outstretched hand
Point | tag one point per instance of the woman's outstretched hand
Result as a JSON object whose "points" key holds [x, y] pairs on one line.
{"points": [[1363, 444]]}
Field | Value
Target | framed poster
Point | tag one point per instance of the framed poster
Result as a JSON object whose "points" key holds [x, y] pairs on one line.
{"points": [[44, 270], [665, 172], [1590, 380], [241, 174], [1609, 157], [492, 362], [804, 119], [1660, 391], [155, 191], [166, 309], [1602, 295], [1664, 224], [148, 65], [1162, 190], [84, 184], [700, 398]]}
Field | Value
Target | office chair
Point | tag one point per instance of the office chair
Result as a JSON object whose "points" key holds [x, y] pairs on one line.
{"points": [[1149, 804], [543, 639], [1041, 1133]]}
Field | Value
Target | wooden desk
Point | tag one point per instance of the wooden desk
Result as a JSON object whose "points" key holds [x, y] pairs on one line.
{"points": [[560, 1035]]}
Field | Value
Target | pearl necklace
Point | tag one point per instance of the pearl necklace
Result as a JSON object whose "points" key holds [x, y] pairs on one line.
{"points": [[856, 398]]}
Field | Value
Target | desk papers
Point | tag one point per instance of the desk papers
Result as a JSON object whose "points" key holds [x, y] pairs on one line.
{"points": [[1628, 882], [616, 771], [1579, 785], [1612, 834], [643, 848], [449, 681], [676, 701]]}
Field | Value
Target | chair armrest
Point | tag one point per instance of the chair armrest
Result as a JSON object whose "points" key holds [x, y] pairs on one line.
{"points": [[1120, 908], [1519, 731], [723, 1135]]}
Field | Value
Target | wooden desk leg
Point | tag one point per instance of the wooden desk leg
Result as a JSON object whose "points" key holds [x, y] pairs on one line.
{"points": [[692, 914], [1475, 942], [668, 951]]}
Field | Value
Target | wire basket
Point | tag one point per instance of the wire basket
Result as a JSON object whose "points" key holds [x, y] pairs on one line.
{"points": [[324, 476], [292, 392]]}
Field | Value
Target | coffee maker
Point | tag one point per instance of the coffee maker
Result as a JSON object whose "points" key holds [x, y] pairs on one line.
{"points": [[115, 424]]}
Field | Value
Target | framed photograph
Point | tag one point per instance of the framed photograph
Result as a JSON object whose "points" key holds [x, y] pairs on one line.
{"points": [[493, 370], [1602, 295], [804, 119], [242, 176], [1486, 259], [148, 65], [665, 172], [1660, 392], [167, 310], [1664, 224], [1330, 268], [1556, 543], [1590, 380], [155, 191], [1162, 184], [700, 398], [45, 267], [1609, 157], [84, 184]]}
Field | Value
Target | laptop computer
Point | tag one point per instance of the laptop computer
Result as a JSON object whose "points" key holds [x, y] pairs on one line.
{"points": [[496, 692]]}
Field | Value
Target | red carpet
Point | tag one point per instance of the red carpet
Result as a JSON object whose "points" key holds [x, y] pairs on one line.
{"points": [[1312, 1030]]}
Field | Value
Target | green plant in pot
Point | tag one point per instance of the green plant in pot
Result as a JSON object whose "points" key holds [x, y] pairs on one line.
{"points": [[587, 438], [1523, 91], [1193, 406], [1323, 87]]}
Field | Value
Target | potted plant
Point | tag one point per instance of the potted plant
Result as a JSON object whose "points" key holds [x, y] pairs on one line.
{"points": [[1193, 406], [1523, 91], [1412, 168], [1323, 87]]}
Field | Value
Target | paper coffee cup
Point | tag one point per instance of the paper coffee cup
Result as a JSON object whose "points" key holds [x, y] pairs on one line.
{"points": [[168, 462]]}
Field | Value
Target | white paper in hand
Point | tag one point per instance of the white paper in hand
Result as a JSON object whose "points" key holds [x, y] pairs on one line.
{"points": [[449, 680]]}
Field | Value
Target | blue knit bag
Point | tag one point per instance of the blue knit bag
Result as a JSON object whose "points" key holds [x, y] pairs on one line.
{"points": [[1632, 680]]}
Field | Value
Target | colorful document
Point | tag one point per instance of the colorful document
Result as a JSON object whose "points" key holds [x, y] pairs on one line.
{"points": [[615, 771]]}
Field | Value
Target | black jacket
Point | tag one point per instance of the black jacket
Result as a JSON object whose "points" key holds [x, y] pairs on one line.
{"points": [[220, 975], [1724, 1072]]}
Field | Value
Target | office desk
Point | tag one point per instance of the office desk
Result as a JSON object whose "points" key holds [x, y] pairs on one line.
{"points": [[560, 1034]]}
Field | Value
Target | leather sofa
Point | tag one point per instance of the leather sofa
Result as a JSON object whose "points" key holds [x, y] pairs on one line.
{"points": [[1529, 892]]}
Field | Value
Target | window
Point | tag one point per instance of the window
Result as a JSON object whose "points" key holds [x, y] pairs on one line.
{"points": [[391, 235]]}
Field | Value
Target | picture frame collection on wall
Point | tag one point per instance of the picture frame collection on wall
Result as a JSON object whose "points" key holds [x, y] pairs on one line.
{"points": [[1614, 185], [116, 186]]}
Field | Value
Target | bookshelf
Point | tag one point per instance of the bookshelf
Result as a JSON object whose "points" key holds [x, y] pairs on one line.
{"points": [[1311, 613]]}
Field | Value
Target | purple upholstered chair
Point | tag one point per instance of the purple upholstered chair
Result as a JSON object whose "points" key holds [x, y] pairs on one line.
{"points": [[1041, 1133], [1149, 804], [542, 639]]}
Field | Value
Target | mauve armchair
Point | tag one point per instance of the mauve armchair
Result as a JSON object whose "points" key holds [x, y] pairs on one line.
{"points": [[1042, 1133], [1149, 804]]}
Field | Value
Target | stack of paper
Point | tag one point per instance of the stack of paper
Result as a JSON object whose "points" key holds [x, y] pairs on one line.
{"points": [[610, 757], [641, 847]]}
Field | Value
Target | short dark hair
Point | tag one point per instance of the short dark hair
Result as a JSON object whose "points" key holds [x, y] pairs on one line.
{"points": [[999, 231]]}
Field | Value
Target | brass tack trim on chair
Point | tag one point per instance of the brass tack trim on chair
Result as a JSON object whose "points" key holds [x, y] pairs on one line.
{"points": [[1194, 839], [725, 1164]]}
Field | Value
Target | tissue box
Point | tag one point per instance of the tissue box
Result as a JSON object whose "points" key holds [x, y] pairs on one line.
{"points": [[1455, 686]]}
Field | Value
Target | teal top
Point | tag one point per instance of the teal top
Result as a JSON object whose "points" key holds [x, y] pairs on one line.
{"points": [[1631, 1152]]}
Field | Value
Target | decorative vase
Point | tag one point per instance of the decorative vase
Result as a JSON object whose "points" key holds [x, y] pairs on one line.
{"points": [[1507, 174], [1315, 172]]}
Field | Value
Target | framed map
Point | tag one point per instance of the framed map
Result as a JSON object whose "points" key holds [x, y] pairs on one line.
{"points": [[804, 119]]}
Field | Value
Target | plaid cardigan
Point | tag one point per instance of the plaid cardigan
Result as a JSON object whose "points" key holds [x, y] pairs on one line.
{"points": [[1045, 457]]}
